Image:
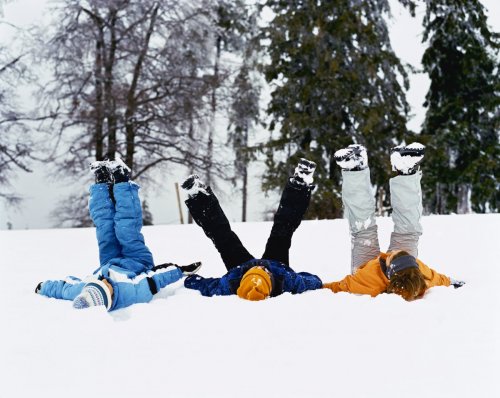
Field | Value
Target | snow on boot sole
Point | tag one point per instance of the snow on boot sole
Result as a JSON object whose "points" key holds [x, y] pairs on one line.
{"points": [[303, 174], [352, 158], [193, 185], [101, 172], [406, 159], [120, 171]]}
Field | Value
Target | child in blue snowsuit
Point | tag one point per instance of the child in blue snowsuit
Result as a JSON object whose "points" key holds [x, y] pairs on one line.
{"points": [[126, 274], [250, 278]]}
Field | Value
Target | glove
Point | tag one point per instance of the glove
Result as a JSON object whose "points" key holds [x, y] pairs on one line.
{"points": [[190, 269], [456, 284]]}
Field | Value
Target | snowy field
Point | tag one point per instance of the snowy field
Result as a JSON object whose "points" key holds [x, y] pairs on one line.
{"points": [[313, 345]]}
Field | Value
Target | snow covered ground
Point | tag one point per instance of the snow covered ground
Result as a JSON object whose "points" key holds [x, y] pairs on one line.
{"points": [[313, 345]]}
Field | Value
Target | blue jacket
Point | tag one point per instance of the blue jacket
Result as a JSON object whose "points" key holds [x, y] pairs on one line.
{"points": [[126, 261], [126, 291], [284, 279]]}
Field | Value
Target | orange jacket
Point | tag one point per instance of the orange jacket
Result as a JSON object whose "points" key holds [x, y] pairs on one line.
{"points": [[370, 279]]}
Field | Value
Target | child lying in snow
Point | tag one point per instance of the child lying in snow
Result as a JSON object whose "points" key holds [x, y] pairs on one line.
{"points": [[250, 278], [127, 274], [397, 271]]}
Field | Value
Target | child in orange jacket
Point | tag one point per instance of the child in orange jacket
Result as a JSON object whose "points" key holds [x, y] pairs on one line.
{"points": [[397, 271]]}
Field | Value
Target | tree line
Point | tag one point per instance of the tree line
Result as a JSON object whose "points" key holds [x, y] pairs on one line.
{"points": [[167, 82]]}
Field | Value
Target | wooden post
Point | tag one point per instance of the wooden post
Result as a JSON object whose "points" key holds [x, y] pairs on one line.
{"points": [[179, 202]]}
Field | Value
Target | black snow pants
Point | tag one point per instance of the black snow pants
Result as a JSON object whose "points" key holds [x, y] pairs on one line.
{"points": [[207, 213]]}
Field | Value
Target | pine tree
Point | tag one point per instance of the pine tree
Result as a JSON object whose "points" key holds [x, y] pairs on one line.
{"points": [[244, 109], [243, 116], [337, 82], [230, 37], [463, 117]]}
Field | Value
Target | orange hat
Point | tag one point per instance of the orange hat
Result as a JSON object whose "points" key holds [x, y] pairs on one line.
{"points": [[255, 285]]}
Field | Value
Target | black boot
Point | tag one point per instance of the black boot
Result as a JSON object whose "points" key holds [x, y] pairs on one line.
{"points": [[193, 186], [121, 172], [303, 175], [101, 172]]}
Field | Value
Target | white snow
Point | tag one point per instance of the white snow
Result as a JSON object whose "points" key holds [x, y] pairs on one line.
{"points": [[415, 145], [359, 160], [317, 344], [404, 163]]}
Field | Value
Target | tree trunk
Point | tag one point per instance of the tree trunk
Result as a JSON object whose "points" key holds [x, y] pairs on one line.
{"points": [[110, 103], [380, 201], [99, 124], [463, 200], [244, 190], [131, 95], [211, 133]]}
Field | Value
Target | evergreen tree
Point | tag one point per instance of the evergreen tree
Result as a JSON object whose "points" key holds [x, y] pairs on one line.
{"points": [[243, 116], [463, 117], [336, 82], [230, 37], [244, 109]]}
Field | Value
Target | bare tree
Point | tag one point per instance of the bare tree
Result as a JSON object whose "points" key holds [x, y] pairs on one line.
{"points": [[15, 140], [130, 78], [128, 75]]}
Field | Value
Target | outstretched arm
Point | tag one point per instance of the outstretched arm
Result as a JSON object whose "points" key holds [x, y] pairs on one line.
{"points": [[367, 280], [207, 286], [303, 281], [143, 287], [66, 289], [433, 278]]}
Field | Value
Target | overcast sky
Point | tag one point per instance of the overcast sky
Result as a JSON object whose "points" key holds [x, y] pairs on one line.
{"points": [[41, 193]]}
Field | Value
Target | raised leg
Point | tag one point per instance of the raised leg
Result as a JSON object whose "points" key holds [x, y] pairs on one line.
{"points": [[128, 224], [102, 212], [406, 202], [293, 205], [359, 209], [207, 213]]}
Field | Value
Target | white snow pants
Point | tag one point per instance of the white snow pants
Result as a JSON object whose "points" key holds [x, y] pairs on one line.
{"points": [[359, 209]]}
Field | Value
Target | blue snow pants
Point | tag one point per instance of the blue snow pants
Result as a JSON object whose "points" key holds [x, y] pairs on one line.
{"points": [[125, 260]]}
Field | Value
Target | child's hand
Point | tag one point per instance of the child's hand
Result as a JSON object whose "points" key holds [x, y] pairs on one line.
{"points": [[456, 284]]}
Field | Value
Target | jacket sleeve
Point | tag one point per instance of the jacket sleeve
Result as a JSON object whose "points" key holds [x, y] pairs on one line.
{"points": [[367, 280], [66, 289], [165, 276], [433, 278], [207, 286], [303, 281], [128, 291]]}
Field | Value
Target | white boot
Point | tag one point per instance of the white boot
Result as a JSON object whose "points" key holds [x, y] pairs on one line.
{"points": [[352, 158], [406, 159]]}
